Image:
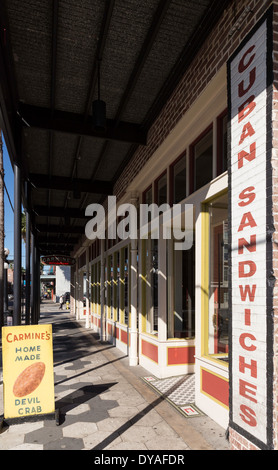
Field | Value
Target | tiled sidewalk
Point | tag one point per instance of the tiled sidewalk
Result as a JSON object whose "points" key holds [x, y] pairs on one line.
{"points": [[104, 404]]}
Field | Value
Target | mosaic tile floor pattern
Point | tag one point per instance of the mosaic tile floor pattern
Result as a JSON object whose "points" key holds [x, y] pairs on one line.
{"points": [[179, 391]]}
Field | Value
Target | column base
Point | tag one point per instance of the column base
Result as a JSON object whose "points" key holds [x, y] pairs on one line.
{"points": [[133, 361]]}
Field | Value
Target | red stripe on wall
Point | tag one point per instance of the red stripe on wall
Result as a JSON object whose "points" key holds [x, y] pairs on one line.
{"points": [[109, 329], [216, 387], [150, 350], [181, 355], [124, 336]]}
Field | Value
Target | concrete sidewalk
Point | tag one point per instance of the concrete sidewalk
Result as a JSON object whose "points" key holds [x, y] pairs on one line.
{"points": [[103, 403]]}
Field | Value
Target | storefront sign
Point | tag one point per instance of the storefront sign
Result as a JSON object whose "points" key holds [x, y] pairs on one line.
{"points": [[54, 260], [28, 371], [250, 195]]}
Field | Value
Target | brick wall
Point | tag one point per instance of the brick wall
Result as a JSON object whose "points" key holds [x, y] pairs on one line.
{"points": [[238, 442]]}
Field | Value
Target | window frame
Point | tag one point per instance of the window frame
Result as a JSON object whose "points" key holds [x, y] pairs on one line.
{"points": [[171, 179], [149, 188], [220, 156], [192, 174], [156, 181], [205, 282]]}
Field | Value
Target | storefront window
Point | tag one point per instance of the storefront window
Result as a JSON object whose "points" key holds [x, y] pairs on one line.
{"points": [[150, 253], [218, 277], [181, 291], [202, 157], [178, 171]]}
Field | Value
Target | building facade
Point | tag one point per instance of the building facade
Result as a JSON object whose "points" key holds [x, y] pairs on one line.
{"points": [[212, 309]]}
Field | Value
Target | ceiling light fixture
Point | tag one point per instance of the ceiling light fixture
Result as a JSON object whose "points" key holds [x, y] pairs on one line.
{"points": [[99, 109]]}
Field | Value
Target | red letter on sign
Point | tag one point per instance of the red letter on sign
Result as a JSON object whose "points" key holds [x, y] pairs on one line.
{"points": [[252, 78], [247, 291], [246, 108], [242, 341], [247, 316], [245, 388], [247, 221], [250, 246], [247, 131], [252, 367], [250, 196], [242, 66], [248, 415], [252, 268], [249, 156]]}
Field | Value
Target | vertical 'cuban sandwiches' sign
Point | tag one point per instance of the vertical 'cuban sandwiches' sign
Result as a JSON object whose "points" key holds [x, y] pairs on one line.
{"points": [[250, 105]]}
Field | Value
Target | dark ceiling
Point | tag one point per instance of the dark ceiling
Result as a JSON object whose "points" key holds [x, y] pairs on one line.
{"points": [[51, 51]]}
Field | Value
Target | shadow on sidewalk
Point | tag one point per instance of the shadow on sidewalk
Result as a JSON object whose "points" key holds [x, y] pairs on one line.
{"points": [[108, 440], [78, 397]]}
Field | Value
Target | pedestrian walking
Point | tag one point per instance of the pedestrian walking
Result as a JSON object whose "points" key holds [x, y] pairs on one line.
{"points": [[61, 302]]}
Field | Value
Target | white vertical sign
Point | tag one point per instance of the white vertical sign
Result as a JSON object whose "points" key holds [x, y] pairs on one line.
{"points": [[248, 197]]}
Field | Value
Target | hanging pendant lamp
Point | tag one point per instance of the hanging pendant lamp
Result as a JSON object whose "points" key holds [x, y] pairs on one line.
{"points": [[99, 109]]}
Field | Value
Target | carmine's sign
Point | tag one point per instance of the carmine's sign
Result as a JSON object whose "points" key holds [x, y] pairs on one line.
{"points": [[58, 260], [249, 82], [28, 376]]}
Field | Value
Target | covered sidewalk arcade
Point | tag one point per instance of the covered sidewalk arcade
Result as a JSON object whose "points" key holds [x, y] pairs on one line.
{"points": [[57, 58], [165, 102]]}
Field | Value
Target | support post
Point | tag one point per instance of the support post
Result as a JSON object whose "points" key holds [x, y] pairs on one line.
{"points": [[17, 245], [33, 281], [6, 267], [28, 277], [38, 285]]}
